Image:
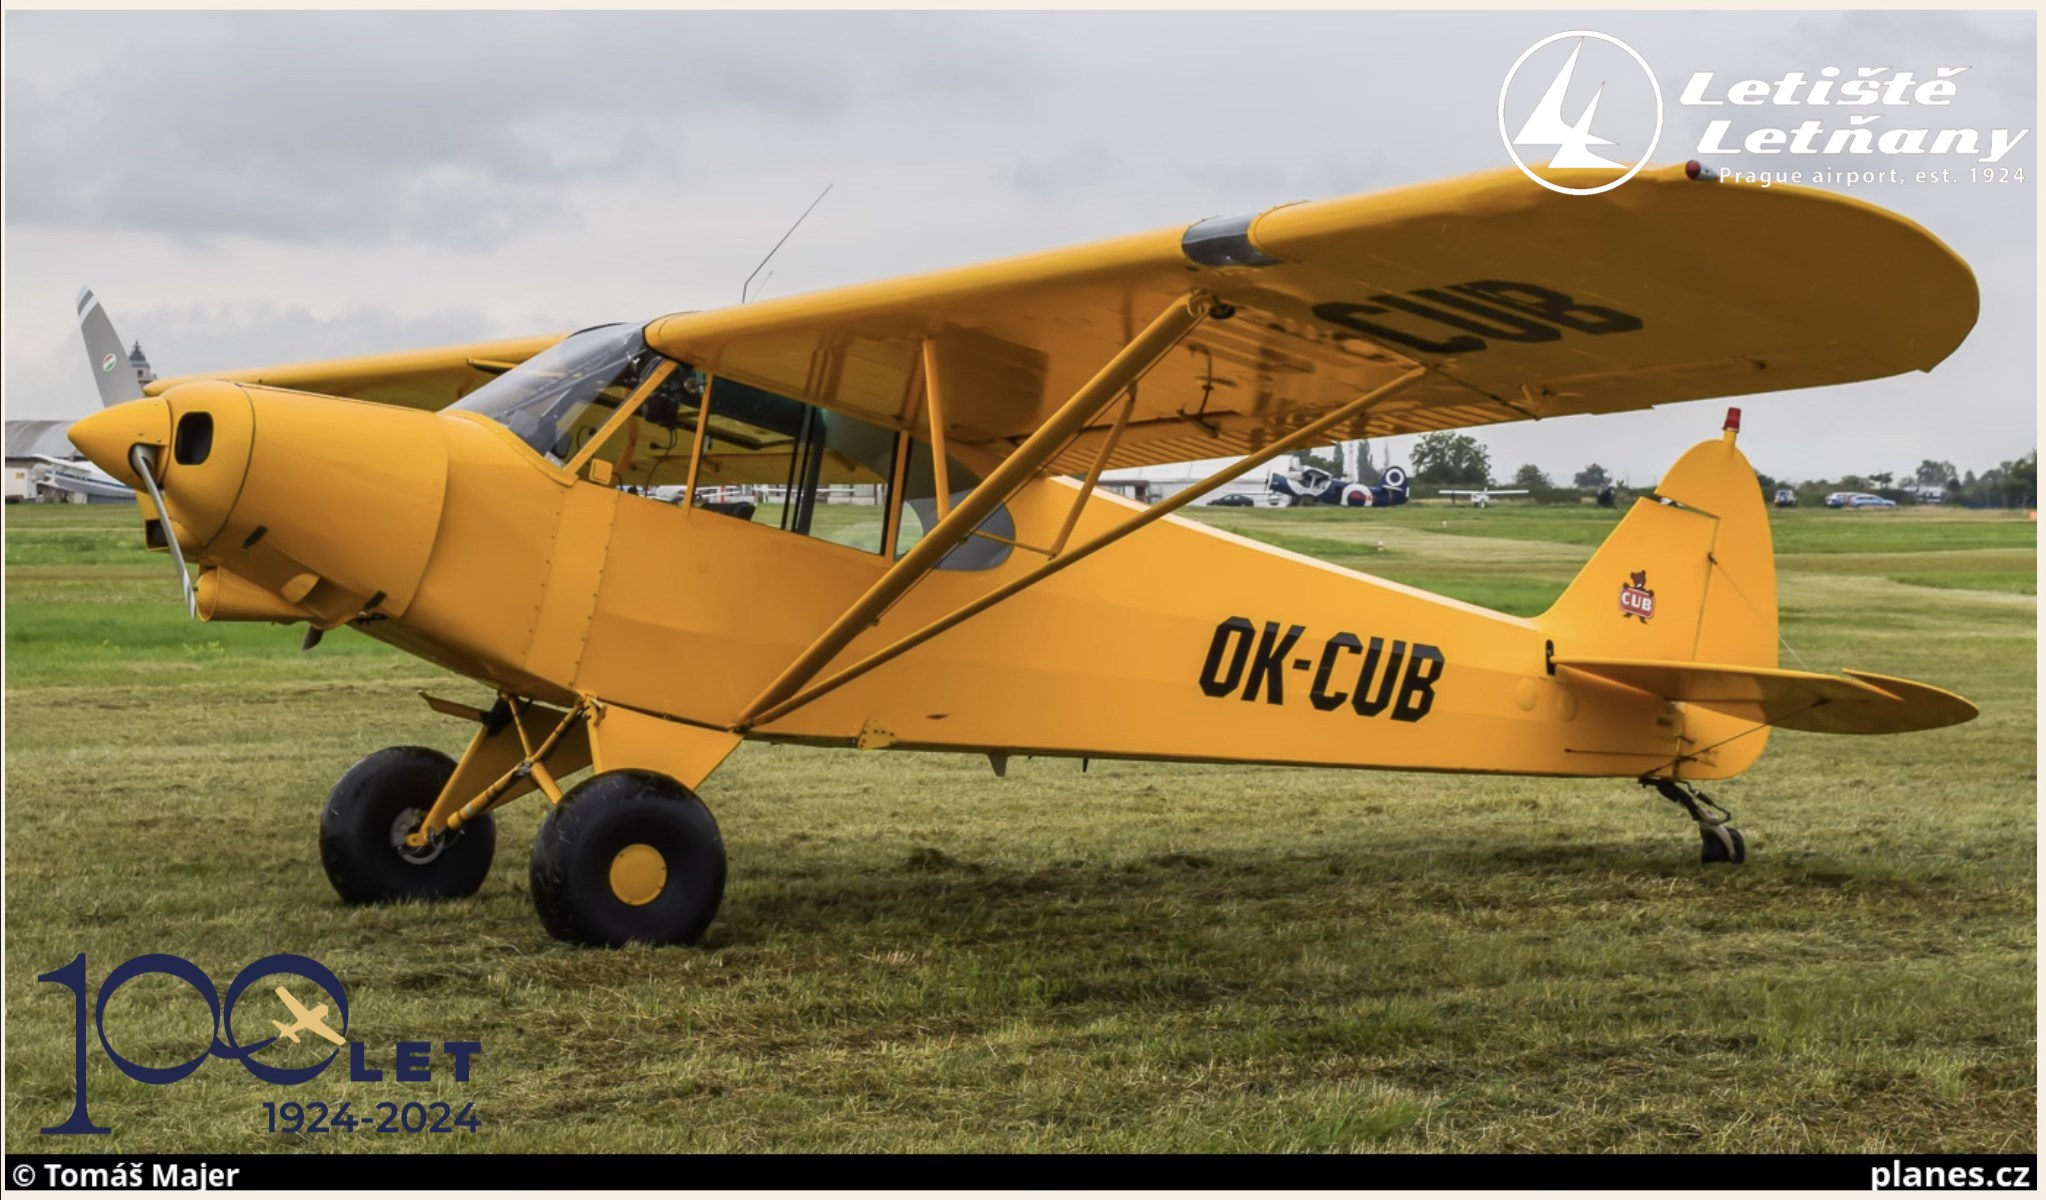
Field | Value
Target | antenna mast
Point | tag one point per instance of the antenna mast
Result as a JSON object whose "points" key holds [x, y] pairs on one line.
{"points": [[746, 287]]}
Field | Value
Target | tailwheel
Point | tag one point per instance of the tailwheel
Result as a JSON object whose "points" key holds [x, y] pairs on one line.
{"points": [[628, 856], [1721, 841], [374, 807]]}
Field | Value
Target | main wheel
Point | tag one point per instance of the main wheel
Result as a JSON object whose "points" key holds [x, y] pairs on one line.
{"points": [[365, 821], [628, 856]]}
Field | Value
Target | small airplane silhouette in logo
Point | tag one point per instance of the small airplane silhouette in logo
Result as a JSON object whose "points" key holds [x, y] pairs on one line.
{"points": [[313, 1021]]}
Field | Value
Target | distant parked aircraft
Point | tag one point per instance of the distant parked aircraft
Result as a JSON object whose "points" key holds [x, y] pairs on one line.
{"points": [[82, 477], [1482, 496], [1312, 485]]}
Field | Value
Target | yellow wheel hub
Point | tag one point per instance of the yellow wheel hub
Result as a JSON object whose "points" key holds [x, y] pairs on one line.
{"points": [[638, 873]]}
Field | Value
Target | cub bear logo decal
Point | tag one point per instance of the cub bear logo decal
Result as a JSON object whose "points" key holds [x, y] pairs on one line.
{"points": [[1636, 600]]}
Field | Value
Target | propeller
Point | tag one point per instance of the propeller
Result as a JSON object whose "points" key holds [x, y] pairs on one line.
{"points": [[118, 384], [142, 460]]}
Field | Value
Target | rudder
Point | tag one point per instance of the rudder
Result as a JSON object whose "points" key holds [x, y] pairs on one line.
{"points": [[1689, 576]]}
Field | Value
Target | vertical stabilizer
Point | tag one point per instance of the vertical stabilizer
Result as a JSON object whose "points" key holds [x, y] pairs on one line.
{"points": [[111, 372], [1689, 576]]}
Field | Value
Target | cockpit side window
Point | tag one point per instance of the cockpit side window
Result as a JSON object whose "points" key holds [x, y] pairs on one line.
{"points": [[827, 475], [803, 469], [920, 514]]}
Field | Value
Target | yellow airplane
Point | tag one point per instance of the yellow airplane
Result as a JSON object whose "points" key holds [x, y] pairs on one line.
{"points": [[491, 508], [304, 1020]]}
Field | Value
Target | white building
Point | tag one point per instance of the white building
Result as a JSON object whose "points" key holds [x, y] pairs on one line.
{"points": [[30, 442]]}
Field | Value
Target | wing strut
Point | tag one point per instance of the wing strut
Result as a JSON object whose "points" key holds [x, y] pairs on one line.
{"points": [[934, 399], [1129, 364], [1122, 420], [762, 713]]}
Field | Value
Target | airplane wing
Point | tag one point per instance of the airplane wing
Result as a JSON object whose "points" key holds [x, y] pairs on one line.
{"points": [[1851, 702], [77, 466], [298, 1011], [1507, 492], [313, 1021], [1519, 302], [429, 379]]}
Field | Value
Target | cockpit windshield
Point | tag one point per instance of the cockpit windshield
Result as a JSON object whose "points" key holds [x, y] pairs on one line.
{"points": [[547, 399]]}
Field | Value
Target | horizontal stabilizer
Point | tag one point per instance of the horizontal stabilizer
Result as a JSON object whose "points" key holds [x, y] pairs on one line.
{"points": [[1852, 702]]}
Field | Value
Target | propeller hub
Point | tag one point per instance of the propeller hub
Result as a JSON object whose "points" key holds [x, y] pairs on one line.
{"points": [[106, 436]]}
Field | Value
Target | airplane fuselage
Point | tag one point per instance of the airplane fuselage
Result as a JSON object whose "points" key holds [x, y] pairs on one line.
{"points": [[446, 536]]}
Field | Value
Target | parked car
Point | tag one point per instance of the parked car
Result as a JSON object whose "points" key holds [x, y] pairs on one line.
{"points": [[1785, 498], [1838, 499], [1864, 500], [1232, 500]]}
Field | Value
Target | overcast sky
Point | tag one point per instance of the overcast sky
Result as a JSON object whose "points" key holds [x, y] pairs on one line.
{"points": [[244, 187]]}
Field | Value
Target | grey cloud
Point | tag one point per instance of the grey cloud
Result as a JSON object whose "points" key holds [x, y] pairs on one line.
{"points": [[1080, 166], [197, 337], [191, 339], [394, 179], [461, 129], [1998, 43]]}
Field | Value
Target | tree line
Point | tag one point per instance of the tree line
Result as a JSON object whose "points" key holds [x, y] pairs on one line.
{"points": [[2013, 483], [1458, 460]]}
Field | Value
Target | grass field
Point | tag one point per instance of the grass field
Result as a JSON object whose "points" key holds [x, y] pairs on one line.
{"points": [[916, 956]]}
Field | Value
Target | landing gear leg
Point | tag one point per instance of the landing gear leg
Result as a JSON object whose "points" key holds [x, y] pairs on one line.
{"points": [[1722, 842]]}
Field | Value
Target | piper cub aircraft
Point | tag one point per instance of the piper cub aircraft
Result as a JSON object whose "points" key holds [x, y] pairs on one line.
{"points": [[484, 507]]}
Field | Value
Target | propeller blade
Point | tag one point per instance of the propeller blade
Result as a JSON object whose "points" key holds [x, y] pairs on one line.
{"points": [[139, 458], [110, 370]]}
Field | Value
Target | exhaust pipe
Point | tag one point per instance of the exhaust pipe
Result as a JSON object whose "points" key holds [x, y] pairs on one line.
{"points": [[225, 596]]}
